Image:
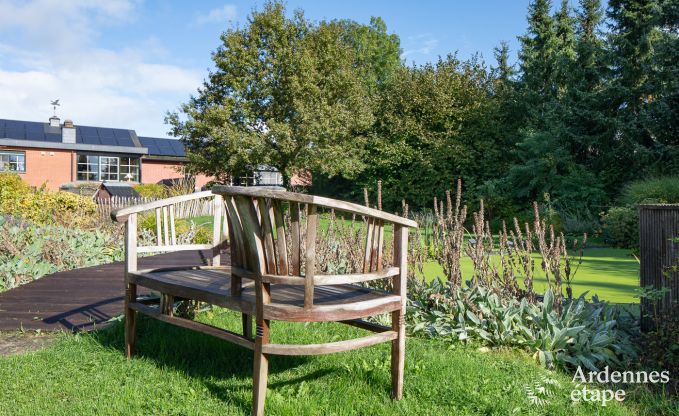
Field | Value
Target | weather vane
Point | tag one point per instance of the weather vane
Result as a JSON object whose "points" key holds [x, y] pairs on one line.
{"points": [[55, 104]]}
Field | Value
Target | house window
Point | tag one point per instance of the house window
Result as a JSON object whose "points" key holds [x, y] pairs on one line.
{"points": [[107, 168], [88, 168], [129, 166], [13, 162]]}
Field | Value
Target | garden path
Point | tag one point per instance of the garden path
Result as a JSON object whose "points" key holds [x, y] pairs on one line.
{"points": [[80, 299]]}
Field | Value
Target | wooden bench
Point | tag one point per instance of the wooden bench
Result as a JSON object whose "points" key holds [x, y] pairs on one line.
{"points": [[270, 278]]}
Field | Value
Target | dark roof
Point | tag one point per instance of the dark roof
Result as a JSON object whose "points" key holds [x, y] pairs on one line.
{"points": [[121, 189], [43, 132], [163, 147], [95, 136]]}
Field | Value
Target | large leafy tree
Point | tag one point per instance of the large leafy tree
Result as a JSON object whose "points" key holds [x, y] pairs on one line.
{"points": [[285, 93], [436, 123]]}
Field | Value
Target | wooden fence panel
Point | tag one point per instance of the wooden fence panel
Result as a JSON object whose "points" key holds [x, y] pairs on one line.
{"points": [[658, 230]]}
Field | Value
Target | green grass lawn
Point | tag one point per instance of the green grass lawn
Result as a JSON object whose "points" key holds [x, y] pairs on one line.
{"points": [[610, 273], [178, 372]]}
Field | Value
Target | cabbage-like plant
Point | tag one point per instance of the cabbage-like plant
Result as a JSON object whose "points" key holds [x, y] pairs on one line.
{"points": [[584, 334]]}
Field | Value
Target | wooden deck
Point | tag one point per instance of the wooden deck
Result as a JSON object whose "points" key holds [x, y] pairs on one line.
{"points": [[79, 299]]}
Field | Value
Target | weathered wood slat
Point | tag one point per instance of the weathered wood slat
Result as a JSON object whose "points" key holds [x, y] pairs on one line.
{"points": [[173, 234], [295, 239], [196, 326], [320, 279], [166, 233], [330, 347], [252, 234], [169, 248], [280, 237], [159, 224], [368, 245], [370, 326], [310, 261], [218, 203], [267, 232]]}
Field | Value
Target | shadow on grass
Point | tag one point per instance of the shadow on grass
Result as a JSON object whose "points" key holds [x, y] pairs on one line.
{"points": [[210, 360]]}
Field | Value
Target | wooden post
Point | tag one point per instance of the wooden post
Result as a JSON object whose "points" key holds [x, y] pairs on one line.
{"points": [[398, 346], [310, 266], [130, 288], [216, 229], [261, 362], [658, 229]]}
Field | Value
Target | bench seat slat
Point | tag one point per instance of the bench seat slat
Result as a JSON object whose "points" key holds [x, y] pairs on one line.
{"points": [[212, 285]]}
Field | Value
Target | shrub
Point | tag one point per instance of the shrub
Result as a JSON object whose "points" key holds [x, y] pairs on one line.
{"points": [[151, 190], [621, 227], [29, 251], [42, 206], [663, 190], [580, 222]]}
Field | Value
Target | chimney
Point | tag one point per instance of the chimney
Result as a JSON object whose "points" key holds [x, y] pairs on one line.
{"points": [[55, 121], [68, 132]]}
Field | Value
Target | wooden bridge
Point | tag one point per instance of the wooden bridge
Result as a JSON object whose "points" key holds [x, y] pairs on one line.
{"points": [[80, 299]]}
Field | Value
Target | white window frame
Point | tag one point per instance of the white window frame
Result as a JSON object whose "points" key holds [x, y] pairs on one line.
{"points": [[5, 160]]}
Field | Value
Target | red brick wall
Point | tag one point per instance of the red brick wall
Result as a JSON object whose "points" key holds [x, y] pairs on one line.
{"points": [[154, 171], [50, 166]]}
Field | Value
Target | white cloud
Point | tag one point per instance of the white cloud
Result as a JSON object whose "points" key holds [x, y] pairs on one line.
{"points": [[423, 44], [129, 88], [220, 14], [62, 24]]}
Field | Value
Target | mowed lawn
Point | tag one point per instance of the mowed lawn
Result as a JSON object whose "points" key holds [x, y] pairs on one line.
{"points": [[179, 372], [610, 273]]}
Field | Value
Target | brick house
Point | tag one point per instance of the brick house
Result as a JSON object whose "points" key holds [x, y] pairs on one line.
{"points": [[58, 154]]}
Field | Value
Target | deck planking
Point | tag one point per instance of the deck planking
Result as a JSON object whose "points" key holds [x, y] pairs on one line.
{"points": [[81, 299]]}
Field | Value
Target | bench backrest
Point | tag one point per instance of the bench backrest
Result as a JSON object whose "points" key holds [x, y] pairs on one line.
{"points": [[259, 249]]}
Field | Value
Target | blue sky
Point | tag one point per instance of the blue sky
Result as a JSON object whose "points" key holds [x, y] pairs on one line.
{"points": [[123, 63]]}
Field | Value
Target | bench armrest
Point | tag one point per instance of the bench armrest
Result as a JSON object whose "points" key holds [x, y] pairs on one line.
{"points": [[121, 215]]}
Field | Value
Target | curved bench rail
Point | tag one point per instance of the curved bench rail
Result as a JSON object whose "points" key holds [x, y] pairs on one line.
{"points": [[121, 214], [319, 201]]}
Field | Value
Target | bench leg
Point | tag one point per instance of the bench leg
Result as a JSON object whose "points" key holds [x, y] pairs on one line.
{"points": [[166, 304], [247, 326], [261, 370], [130, 319], [398, 348]]}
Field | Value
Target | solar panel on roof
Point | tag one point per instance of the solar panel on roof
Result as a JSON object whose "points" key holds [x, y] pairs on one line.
{"points": [[53, 137], [15, 133], [14, 124], [108, 141], [125, 141], [103, 132], [89, 139], [178, 148], [88, 131]]}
